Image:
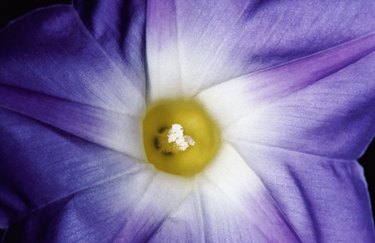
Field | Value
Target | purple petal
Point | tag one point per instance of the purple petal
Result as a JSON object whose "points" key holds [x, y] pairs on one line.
{"points": [[254, 90], [40, 165], [50, 51], [54, 71], [113, 130], [118, 26], [333, 118], [228, 204], [126, 208], [163, 195], [219, 40], [162, 50], [95, 214], [325, 199]]}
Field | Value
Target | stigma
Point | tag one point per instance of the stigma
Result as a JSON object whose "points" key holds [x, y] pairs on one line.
{"points": [[176, 136], [179, 136]]}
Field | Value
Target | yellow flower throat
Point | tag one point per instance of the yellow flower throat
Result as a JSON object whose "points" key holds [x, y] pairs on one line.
{"points": [[179, 136]]}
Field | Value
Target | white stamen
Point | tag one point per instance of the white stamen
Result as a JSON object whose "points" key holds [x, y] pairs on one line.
{"points": [[176, 135]]}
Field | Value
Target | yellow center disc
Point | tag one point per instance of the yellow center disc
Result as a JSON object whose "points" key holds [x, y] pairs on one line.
{"points": [[179, 136]]}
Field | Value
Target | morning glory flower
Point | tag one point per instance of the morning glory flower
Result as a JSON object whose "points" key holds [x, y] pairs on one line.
{"points": [[187, 121]]}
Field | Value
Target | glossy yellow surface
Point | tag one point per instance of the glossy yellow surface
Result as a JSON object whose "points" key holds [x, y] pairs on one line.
{"points": [[196, 123]]}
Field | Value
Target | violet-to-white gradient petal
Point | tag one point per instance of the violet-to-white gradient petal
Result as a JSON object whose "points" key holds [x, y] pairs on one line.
{"points": [[255, 90], [222, 39], [162, 50], [333, 118], [325, 199], [117, 131], [163, 195], [50, 51], [229, 203], [279, 192], [41, 164], [118, 26], [95, 214]]}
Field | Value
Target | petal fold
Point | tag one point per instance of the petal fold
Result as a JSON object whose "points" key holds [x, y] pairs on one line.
{"points": [[229, 203], [222, 39], [119, 28], [255, 90], [325, 199], [163, 195], [40, 164], [92, 215], [50, 51], [334, 118], [120, 132]]}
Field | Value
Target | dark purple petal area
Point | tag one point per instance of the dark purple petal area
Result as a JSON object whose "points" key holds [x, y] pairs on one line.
{"points": [[119, 27], [53, 70], [128, 207], [40, 164], [93, 215], [50, 51], [110, 129], [325, 199]]}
